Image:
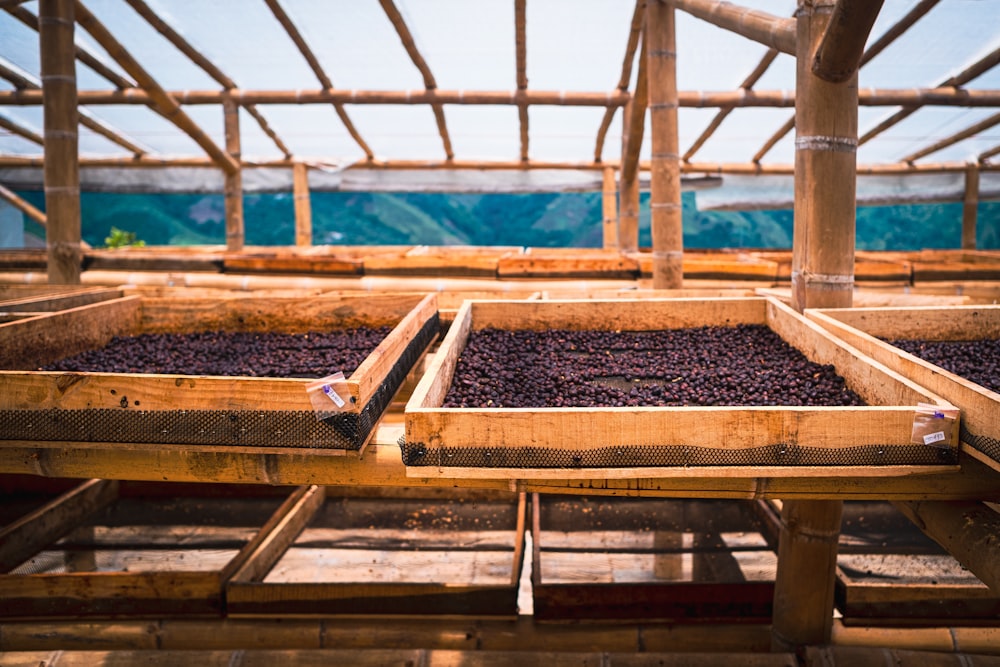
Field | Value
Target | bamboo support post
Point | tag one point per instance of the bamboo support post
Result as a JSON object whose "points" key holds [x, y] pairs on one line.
{"points": [[303, 209], [22, 205], [300, 42], [81, 53], [20, 130], [609, 206], [970, 205], [759, 26], [665, 184], [396, 18], [62, 168], [235, 235], [969, 531], [162, 101], [635, 29], [839, 54], [521, 56]]}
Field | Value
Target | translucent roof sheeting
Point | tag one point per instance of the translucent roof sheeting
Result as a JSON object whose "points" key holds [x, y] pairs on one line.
{"points": [[571, 45]]}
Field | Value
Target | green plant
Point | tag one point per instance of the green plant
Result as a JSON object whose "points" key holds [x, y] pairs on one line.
{"points": [[120, 239]]}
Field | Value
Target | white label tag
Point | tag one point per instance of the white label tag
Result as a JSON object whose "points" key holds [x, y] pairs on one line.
{"points": [[335, 397], [931, 438]]}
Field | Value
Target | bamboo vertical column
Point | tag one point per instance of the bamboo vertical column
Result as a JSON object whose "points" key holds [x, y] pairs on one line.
{"points": [[609, 206], [826, 122], [970, 204], [62, 166], [303, 209], [665, 184], [628, 189], [235, 235]]}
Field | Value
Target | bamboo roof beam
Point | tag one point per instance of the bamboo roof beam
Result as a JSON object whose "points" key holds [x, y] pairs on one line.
{"points": [[396, 18], [300, 43], [521, 60], [635, 27], [890, 35], [839, 54], [970, 131], [16, 128], [986, 155], [161, 100], [772, 31], [207, 65], [24, 81], [981, 66], [82, 54], [636, 121], [22, 205]]}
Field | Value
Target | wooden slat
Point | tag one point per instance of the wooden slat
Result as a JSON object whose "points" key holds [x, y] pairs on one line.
{"points": [[33, 532]]}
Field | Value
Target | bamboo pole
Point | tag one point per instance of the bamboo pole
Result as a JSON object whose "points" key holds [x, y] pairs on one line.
{"points": [[235, 235], [62, 170], [986, 155], [970, 204], [969, 531], [634, 118], [970, 131], [520, 48], [303, 209], [774, 139], [22, 205], [396, 18], [300, 42], [12, 73], [902, 25], [81, 53], [609, 206], [204, 63], [635, 27], [20, 130], [759, 26], [665, 184], [822, 276], [982, 65], [839, 54], [162, 101]]}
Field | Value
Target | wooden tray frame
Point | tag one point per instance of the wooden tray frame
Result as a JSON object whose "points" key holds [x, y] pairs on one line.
{"points": [[886, 420]]}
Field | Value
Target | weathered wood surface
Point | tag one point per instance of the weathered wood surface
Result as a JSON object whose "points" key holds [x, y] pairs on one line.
{"points": [[41, 303], [441, 261], [567, 263]]}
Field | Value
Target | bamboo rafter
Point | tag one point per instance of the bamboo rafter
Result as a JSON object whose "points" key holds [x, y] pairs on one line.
{"points": [[635, 28], [986, 155], [23, 81], [207, 65], [396, 18], [82, 54], [300, 42], [981, 66], [771, 31], [521, 59], [22, 205], [887, 38], [161, 100], [970, 131], [636, 121], [20, 130], [843, 43]]}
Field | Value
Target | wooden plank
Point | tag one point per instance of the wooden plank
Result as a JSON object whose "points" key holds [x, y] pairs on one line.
{"points": [[287, 263], [571, 263], [48, 303], [261, 553], [31, 533]]}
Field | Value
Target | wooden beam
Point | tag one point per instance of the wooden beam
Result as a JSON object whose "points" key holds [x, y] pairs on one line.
{"points": [[26, 536], [635, 28], [303, 209], [839, 54], [396, 18], [81, 53], [22, 205], [665, 185], [759, 26], [981, 66], [609, 206], [971, 131], [233, 188], [162, 101], [970, 205], [20, 130], [300, 42], [62, 169], [969, 531]]}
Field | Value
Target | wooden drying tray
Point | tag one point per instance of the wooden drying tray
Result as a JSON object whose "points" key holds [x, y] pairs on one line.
{"points": [[872, 440], [158, 410], [388, 557], [863, 328]]}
